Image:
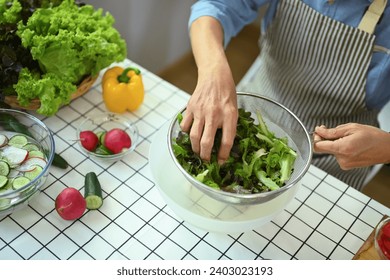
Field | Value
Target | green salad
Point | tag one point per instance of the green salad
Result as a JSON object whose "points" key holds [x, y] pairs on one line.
{"points": [[258, 162]]}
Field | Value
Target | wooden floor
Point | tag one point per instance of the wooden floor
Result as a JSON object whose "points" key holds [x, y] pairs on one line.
{"points": [[241, 52]]}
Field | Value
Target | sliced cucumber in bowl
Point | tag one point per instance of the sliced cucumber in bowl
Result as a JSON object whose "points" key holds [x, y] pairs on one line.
{"points": [[31, 147], [3, 181], [18, 141], [34, 153], [4, 168], [20, 182], [34, 172]]}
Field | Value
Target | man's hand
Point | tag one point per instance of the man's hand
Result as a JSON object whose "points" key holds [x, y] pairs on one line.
{"points": [[213, 104], [354, 145]]}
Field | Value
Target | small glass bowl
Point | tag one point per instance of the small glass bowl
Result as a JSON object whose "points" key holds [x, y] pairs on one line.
{"points": [[104, 122], [382, 239]]}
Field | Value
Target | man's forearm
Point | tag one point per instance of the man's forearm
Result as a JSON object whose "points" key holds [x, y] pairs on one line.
{"points": [[206, 35]]}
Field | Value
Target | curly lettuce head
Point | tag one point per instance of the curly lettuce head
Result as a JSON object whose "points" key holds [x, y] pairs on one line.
{"points": [[69, 42], [10, 11], [72, 41]]}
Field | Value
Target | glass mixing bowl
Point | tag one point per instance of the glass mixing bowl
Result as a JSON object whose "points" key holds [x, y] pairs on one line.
{"points": [[13, 122]]}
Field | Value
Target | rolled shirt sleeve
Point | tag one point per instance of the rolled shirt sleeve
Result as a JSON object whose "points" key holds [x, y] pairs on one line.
{"points": [[232, 14]]}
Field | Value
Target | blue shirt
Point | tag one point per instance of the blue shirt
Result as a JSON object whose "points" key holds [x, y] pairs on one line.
{"points": [[235, 14]]}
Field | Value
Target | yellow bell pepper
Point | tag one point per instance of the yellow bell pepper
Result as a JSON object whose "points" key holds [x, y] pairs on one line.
{"points": [[123, 89]]}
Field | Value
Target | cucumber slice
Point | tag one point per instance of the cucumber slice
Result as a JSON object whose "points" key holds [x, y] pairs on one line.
{"points": [[93, 191], [102, 150], [38, 154], [31, 147], [100, 136], [33, 173], [8, 186], [3, 181], [4, 168], [20, 182], [18, 141]]}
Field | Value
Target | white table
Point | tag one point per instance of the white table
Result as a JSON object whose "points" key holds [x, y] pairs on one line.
{"points": [[326, 220]]}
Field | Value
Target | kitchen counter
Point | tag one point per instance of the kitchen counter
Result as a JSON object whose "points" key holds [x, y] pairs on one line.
{"points": [[326, 220]]}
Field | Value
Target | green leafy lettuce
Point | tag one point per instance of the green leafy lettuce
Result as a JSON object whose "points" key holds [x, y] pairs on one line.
{"points": [[69, 42], [10, 11], [52, 91], [259, 161]]}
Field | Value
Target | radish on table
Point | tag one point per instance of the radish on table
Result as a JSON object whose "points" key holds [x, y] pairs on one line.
{"points": [[70, 204]]}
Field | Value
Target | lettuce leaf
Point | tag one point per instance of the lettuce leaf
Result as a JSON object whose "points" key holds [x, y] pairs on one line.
{"points": [[10, 11], [52, 91]]}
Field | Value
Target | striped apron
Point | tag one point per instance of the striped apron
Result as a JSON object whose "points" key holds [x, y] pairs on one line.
{"points": [[317, 67]]}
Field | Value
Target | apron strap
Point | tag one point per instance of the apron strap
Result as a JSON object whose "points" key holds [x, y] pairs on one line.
{"points": [[372, 16]]}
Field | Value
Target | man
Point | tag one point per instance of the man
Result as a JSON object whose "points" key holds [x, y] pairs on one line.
{"points": [[327, 61]]}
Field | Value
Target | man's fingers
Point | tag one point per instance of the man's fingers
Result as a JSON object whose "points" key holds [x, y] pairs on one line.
{"points": [[228, 134], [331, 133], [207, 141], [326, 146], [186, 122], [196, 135]]}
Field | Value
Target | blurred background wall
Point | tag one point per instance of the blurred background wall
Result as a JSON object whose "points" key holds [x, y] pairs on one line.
{"points": [[155, 30]]}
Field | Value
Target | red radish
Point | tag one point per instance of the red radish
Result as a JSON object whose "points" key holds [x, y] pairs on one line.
{"points": [[14, 155], [89, 140], [31, 162], [25, 167], [3, 140], [116, 140], [384, 240], [70, 204]]}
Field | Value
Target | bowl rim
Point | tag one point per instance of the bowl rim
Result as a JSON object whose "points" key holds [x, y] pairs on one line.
{"points": [[237, 198], [49, 159], [129, 124]]}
